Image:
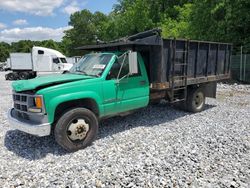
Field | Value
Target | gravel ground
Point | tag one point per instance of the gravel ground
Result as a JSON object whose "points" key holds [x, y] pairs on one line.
{"points": [[155, 147]]}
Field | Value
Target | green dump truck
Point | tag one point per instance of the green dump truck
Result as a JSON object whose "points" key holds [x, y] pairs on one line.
{"points": [[118, 78]]}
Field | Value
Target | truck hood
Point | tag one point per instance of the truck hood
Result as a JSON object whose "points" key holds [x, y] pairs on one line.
{"points": [[43, 81]]}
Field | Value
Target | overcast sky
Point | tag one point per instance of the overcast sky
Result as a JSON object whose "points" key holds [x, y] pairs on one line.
{"points": [[42, 19]]}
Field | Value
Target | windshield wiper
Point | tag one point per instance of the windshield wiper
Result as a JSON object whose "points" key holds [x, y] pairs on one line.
{"points": [[83, 72], [95, 75]]}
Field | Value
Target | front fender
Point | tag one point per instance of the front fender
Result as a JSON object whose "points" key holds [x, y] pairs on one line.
{"points": [[51, 104]]}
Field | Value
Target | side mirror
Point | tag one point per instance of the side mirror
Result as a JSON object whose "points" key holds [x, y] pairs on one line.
{"points": [[133, 65]]}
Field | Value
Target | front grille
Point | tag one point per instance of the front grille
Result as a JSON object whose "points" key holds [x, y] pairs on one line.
{"points": [[21, 107], [21, 104], [20, 98]]}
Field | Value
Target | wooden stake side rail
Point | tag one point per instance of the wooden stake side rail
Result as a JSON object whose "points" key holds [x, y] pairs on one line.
{"points": [[190, 81]]}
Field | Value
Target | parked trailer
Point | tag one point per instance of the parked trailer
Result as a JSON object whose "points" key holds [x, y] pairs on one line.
{"points": [[123, 76], [26, 65], [20, 64]]}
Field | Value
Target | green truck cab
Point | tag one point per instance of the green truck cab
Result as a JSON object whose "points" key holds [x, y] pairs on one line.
{"points": [[121, 77], [100, 85]]}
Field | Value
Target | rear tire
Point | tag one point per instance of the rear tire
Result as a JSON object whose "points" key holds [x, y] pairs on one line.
{"points": [[11, 76], [76, 129], [23, 75], [196, 100]]}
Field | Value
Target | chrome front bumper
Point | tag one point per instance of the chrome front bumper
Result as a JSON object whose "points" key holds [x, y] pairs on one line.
{"points": [[27, 127]]}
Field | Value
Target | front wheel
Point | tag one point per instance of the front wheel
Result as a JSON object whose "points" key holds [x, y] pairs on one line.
{"points": [[76, 129], [196, 100]]}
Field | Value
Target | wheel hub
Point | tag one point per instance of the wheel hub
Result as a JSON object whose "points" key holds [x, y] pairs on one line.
{"points": [[198, 100], [78, 129]]}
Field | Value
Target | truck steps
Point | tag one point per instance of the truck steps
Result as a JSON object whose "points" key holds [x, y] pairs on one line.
{"points": [[178, 100], [179, 88], [180, 63]]}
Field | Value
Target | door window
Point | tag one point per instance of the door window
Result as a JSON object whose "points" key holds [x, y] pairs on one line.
{"points": [[56, 60], [121, 68], [125, 66], [114, 71]]}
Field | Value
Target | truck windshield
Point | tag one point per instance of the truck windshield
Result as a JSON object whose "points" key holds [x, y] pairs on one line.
{"points": [[63, 60], [92, 64]]}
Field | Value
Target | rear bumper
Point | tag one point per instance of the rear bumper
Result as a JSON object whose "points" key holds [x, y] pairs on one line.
{"points": [[27, 127]]}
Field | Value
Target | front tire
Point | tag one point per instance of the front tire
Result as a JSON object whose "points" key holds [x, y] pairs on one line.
{"points": [[76, 129]]}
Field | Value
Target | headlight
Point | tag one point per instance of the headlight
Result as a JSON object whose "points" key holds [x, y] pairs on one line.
{"points": [[38, 105]]}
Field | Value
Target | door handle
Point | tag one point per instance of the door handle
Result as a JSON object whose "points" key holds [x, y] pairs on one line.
{"points": [[143, 82]]}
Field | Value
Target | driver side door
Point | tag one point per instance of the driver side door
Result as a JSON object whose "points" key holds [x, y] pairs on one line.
{"points": [[56, 64], [124, 92], [111, 102], [132, 90]]}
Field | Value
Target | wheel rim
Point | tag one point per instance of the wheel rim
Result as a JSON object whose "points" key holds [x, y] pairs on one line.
{"points": [[22, 77], [198, 100], [78, 130]]}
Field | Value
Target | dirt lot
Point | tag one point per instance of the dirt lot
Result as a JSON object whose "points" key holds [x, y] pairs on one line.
{"points": [[155, 147]]}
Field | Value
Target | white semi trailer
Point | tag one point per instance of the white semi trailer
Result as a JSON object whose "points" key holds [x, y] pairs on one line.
{"points": [[27, 65]]}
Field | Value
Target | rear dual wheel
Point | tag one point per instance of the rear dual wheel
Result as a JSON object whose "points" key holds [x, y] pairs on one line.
{"points": [[11, 76], [76, 129], [195, 100], [24, 75]]}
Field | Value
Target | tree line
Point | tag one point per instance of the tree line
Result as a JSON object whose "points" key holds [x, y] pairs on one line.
{"points": [[25, 46], [210, 20]]}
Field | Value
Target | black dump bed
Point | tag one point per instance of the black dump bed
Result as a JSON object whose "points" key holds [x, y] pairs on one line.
{"points": [[172, 61]]}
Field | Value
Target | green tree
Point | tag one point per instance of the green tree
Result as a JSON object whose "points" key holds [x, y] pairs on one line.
{"points": [[180, 26], [24, 46], [133, 16], [4, 51], [222, 20], [86, 26]]}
